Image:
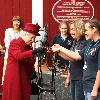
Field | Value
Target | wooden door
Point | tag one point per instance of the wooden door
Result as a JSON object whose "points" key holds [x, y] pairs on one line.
{"points": [[8, 9]]}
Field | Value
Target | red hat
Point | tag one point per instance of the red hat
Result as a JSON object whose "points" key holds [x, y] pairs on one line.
{"points": [[32, 28]]}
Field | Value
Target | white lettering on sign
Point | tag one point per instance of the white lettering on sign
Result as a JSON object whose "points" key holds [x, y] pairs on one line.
{"points": [[72, 9]]}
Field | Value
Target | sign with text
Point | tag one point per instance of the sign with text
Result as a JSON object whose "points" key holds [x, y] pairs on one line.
{"points": [[70, 10]]}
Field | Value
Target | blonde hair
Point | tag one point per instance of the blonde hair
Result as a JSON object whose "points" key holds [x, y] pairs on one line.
{"points": [[79, 26], [63, 22]]}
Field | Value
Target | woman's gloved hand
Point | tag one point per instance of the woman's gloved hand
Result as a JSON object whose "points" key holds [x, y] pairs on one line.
{"points": [[39, 50], [33, 75]]}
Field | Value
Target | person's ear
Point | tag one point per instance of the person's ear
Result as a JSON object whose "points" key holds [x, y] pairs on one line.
{"points": [[94, 29]]}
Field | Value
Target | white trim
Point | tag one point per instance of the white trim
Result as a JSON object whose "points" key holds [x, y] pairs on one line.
{"points": [[92, 8], [73, 1]]}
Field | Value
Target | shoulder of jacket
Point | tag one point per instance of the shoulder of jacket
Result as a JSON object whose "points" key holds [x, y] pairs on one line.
{"points": [[21, 30], [9, 30]]}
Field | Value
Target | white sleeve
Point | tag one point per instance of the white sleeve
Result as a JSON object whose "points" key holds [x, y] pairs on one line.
{"points": [[7, 38]]}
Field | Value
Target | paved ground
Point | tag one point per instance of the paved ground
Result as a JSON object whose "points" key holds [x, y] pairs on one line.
{"points": [[61, 93]]}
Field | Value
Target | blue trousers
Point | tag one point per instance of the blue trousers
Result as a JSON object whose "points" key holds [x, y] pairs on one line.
{"points": [[88, 96], [77, 90]]}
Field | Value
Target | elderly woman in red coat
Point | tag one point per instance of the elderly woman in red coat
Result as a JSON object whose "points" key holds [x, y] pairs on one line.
{"points": [[17, 83]]}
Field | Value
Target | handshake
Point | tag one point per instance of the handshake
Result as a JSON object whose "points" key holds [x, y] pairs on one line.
{"points": [[43, 50], [39, 51]]}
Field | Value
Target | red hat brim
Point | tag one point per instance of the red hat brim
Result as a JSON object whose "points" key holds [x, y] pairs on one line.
{"points": [[33, 32]]}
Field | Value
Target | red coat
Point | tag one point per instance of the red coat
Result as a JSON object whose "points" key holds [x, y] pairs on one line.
{"points": [[19, 68]]}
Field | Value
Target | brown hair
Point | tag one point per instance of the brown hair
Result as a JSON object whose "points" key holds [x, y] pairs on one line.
{"points": [[94, 23], [17, 18]]}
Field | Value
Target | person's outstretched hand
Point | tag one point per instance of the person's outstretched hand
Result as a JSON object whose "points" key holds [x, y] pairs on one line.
{"points": [[56, 48]]}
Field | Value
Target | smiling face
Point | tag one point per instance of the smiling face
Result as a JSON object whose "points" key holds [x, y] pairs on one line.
{"points": [[63, 28], [92, 29], [77, 29], [16, 24], [73, 32], [89, 32]]}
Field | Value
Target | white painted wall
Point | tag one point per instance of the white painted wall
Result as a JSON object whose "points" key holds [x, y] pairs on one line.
{"points": [[37, 12]]}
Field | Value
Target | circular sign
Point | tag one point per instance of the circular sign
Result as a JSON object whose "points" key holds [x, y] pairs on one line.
{"points": [[70, 10]]}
